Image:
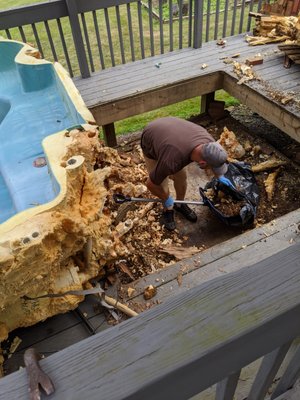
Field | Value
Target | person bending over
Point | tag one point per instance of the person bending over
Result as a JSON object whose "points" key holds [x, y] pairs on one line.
{"points": [[169, 144]]}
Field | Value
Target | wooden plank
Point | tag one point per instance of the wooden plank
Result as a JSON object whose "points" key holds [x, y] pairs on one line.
{"points": [[134, 85], [153, 99], [170, 62], [281, 77], [109, 134], [279, 115], [119, 92], [174, 66], [205, 101], [78, 39], [232, 255], [236, 315], [31, 14], [101, 87], [57, 324], [53, 335]]}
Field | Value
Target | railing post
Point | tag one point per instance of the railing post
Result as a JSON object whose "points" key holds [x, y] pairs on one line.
{"points": [[77, 36], [198, 24]]}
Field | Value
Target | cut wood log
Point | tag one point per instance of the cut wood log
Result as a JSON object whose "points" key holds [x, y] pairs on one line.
{"points": [[274, 28]]}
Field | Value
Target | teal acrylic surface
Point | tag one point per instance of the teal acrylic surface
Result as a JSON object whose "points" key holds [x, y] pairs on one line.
{"points": [[33, 104]]}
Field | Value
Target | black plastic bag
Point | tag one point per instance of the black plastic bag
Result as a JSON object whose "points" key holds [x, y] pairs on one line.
{"points": [[246, 190]]}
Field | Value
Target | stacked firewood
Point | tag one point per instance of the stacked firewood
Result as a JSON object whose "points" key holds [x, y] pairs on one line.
{"points": [[275, 28]]}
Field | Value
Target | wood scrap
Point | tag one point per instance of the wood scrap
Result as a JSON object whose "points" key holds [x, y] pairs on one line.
{"points": [[120, 306], [270, 184], [244, 72], [179, 278], [256, 60], [15, 344], [179, 252], [230, 207], [149, 292], [267, 165], [227, 205], [259, 40], [122, 264]]}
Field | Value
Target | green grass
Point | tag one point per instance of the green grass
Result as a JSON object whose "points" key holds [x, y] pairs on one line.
{"points": [[184, 109]]}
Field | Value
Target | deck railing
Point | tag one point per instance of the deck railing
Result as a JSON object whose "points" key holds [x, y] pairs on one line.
{"points": [[201, 337], [86, 36]]}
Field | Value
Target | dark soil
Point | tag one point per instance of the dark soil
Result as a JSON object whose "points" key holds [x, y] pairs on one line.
{"points": [[146, 256], [249, 126], [209, 230]]}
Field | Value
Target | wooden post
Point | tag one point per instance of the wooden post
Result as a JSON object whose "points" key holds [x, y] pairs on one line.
{"points": [[110, 135], [78, 40], [206, 99], [198, 24]]}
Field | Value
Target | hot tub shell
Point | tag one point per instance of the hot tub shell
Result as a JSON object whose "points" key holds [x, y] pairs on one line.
{"points": [[39, 243]]}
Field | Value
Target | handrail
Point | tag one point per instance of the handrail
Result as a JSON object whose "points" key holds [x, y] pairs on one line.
{"points": [[32, 14], [195, 339], [110, 32]]}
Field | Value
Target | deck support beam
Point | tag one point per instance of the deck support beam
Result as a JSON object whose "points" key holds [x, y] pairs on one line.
{"points": [[109, 112], [206, 99], [279, 115], [110, 135]]}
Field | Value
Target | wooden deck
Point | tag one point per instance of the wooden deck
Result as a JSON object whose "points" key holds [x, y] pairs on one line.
{"points": [[134, 88], [131, 89], [62, 331], [123, 362]]}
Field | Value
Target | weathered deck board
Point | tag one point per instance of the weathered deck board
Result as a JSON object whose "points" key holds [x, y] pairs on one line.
{"points": [[150, 356], [219, 260], [258, 97], [131, 89], [231, 255], [144, 75], [57, 333], [178, 65]]}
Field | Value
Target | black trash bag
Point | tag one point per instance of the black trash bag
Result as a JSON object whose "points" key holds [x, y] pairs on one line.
{"points": [[246, 190]]}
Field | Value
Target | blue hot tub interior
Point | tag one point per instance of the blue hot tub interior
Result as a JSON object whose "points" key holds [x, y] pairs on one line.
{"points": [[33, 105]]}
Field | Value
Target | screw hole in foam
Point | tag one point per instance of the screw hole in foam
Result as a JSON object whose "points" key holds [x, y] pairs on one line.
{"points": [[72, 161]]}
